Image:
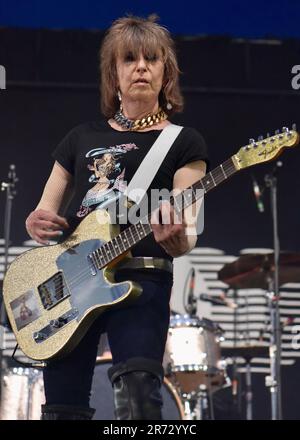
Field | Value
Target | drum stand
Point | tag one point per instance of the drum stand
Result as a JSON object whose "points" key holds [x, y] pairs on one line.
{"points": [[189, 408], [198, 404]]}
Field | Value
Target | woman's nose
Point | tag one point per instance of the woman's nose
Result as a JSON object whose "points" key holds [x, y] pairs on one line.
{"points": [[141, 64]]}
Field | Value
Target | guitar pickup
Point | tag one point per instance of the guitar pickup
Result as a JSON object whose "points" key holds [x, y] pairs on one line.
{"points": [[53, 291]]}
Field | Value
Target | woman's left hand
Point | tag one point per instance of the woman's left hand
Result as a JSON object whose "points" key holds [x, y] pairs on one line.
{"points": [[169, 230]]}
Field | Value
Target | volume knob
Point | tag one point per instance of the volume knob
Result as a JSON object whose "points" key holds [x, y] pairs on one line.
{"points": [[39, 336]]}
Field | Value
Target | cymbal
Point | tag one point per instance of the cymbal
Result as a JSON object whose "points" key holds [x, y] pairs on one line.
{"points": [[246, 351], [255, 270]]}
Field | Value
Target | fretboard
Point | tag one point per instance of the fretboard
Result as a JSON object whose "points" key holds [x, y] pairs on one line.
{"points": [[124, 241]]}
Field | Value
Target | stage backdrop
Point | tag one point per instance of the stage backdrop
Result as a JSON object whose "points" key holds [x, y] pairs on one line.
{"points": [[233, 89]]}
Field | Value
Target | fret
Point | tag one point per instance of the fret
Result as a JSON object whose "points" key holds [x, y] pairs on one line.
{"points": [[113, 247], [200, 185], [126, 240], [228, 169], [194, 194], [121, 242], [188, 197], [135, 233], [96, 258], [180, 201], [96, 255], [140, 230], [198, 193], [144, 226], [221, 166], [116, 245], [133, 238], [109, 250], [211, 174], [229, 166], [178, 208], [207, 182], [102, 256], [128, 237], [217, 175]]}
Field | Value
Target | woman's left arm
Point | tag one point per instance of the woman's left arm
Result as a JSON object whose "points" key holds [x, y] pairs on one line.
{"points": [[179, 236]]}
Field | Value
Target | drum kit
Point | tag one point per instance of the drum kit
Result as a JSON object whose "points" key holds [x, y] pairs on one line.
{"points": [[195, 362]]}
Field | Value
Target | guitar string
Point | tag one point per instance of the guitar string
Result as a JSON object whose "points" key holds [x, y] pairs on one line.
{"points": [[217, 178], [86, 273]]}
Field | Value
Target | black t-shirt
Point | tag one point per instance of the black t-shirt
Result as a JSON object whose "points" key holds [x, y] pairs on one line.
{"points": [[102, 160]]}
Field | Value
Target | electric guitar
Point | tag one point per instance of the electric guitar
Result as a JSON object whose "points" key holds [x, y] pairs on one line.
{"points": [[54, 293]]}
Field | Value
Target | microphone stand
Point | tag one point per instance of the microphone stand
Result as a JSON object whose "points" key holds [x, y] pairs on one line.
{"points": [[274, 381], [9, 187]]}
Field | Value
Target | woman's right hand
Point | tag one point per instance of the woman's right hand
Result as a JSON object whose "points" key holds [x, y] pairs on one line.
{"points": [[43, 225]]}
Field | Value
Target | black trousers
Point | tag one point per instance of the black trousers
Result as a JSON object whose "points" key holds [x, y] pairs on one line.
{"points": [[138, 330]]}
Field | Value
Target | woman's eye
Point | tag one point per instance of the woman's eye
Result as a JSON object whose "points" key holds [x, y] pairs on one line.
{"points": [[151, 58], [129, 58]]}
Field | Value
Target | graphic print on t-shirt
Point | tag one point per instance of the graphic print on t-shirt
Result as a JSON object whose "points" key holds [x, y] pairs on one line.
{"points": [[108, 176]]}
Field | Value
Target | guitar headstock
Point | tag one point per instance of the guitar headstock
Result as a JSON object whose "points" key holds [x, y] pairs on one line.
{"points": [[266, 149]]}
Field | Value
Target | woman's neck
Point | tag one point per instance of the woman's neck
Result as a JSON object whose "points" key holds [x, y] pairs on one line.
{"points": [[138, 109]]}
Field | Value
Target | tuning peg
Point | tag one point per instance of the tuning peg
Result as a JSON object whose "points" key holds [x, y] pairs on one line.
{"points": [[260, 138], [285, 130], [277, 131], [251, 144], [268, 135], [294, 126]]}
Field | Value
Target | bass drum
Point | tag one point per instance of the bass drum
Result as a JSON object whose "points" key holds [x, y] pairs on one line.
{"points": [[102, 395], [193, 355]]}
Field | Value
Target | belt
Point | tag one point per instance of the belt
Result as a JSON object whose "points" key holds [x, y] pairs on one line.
{"points": [[146, 263]]}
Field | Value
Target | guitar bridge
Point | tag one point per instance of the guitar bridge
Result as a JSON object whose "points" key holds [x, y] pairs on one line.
{"points": [[53, 291]]}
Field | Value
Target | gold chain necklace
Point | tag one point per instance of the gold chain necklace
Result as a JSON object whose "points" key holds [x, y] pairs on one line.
{"points": [[140, 124]]}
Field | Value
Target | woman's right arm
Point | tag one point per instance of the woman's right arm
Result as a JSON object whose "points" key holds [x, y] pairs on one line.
{"points": [[45, 222]]}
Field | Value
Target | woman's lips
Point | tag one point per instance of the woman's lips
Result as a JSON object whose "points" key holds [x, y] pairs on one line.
{"points": [[141, 81]]}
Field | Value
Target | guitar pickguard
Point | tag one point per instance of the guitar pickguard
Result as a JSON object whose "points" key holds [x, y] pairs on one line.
{"points": [[87, 285], [80, 281]]}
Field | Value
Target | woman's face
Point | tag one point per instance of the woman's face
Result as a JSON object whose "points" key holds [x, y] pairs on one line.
{"points": [[140, 78]]}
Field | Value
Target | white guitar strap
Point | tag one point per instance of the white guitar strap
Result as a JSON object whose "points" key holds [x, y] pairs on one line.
{"points": [[146, 172]]}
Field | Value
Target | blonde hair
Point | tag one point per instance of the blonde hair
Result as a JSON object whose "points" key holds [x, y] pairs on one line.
{"points": [[135, 34]]}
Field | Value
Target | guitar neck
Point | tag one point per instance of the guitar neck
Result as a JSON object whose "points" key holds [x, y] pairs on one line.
{"points": [[132, 235]]}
